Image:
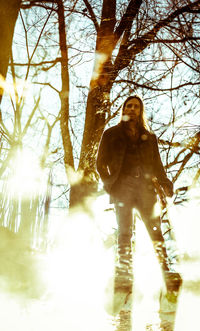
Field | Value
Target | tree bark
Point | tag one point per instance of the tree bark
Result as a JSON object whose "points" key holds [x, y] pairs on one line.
{"points": [[97, 107], [8, 16], [98, 102], [64, 94]]}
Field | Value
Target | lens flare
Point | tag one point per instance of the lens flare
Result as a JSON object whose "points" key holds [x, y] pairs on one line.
{"points": [[125, 118], [77, 272], [10, 88], [27, 177], [100, 60]]}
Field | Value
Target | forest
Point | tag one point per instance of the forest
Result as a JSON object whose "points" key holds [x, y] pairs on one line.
{"points": [[66, 67]]}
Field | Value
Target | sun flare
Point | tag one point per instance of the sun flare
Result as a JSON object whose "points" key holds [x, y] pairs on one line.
{"points": [[27, 177]]}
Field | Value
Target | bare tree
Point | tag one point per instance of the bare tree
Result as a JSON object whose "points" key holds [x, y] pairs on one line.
{"points": [[136, 48], [25, 208], [120, 42], [8, 15]]}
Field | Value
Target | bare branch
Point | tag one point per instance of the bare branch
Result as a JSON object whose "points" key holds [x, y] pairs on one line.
{"points": [[92, 14], [30, 117], [149, 36], [196, 177], [170, 41], [136, 46], [127, 19], [47, 84], [53, 62], [183, 164], [156, 88], [36, 3], [34, 50], [181, 59]]}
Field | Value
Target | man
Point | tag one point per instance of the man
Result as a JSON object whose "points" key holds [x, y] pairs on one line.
{"points": [[129, 162]]}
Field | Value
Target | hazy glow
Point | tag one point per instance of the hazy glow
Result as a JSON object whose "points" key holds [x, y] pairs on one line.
{"points": [[74, 177], [10, 87], [100, 59], [185, 221], [125, 118], [147, 273], [78, 271], [188, 311], [157, 209], [79, 275], [27, 178], [104, 215], [147, 268], [147, 281]]}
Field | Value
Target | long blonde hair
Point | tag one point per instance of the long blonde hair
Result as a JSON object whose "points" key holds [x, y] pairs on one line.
{"points": [[143, 123]]}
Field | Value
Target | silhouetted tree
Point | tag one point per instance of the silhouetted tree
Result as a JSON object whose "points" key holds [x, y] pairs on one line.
{"points": [[8, 15]]}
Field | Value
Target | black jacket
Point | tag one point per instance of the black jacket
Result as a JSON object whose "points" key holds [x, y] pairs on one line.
{"points": [[111, 153]]}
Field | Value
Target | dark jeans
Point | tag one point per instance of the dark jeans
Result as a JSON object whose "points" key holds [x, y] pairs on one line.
{"points": [[137, 193]]}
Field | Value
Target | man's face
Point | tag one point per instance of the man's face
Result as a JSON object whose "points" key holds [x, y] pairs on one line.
{"points": [[131, 111]]}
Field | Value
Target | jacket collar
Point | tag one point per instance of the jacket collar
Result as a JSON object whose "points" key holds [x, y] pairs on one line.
{"points": [[123, 135]]}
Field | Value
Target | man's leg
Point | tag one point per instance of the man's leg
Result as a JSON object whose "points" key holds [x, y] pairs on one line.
{"points": [[172, 280], [124, 246], [123, 277], [153, 225]]}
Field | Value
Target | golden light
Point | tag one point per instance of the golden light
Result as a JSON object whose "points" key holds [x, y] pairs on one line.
{"points": [[147, 272], [27, 178], [77, 272], [157, 209], [74, 177], [100, 59], [186, 224], [9, 87], [147, 280], [79, 269]]}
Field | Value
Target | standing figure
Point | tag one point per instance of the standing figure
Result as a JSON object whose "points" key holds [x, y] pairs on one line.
{"points": [[129, 162]]}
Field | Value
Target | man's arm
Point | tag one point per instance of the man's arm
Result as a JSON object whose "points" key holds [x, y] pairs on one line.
{"points": [[102, 158], [159, 170]]}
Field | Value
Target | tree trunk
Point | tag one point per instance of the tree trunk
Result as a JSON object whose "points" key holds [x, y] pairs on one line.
{"points": [[8, 16], [64, 94], [98, 105]]}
